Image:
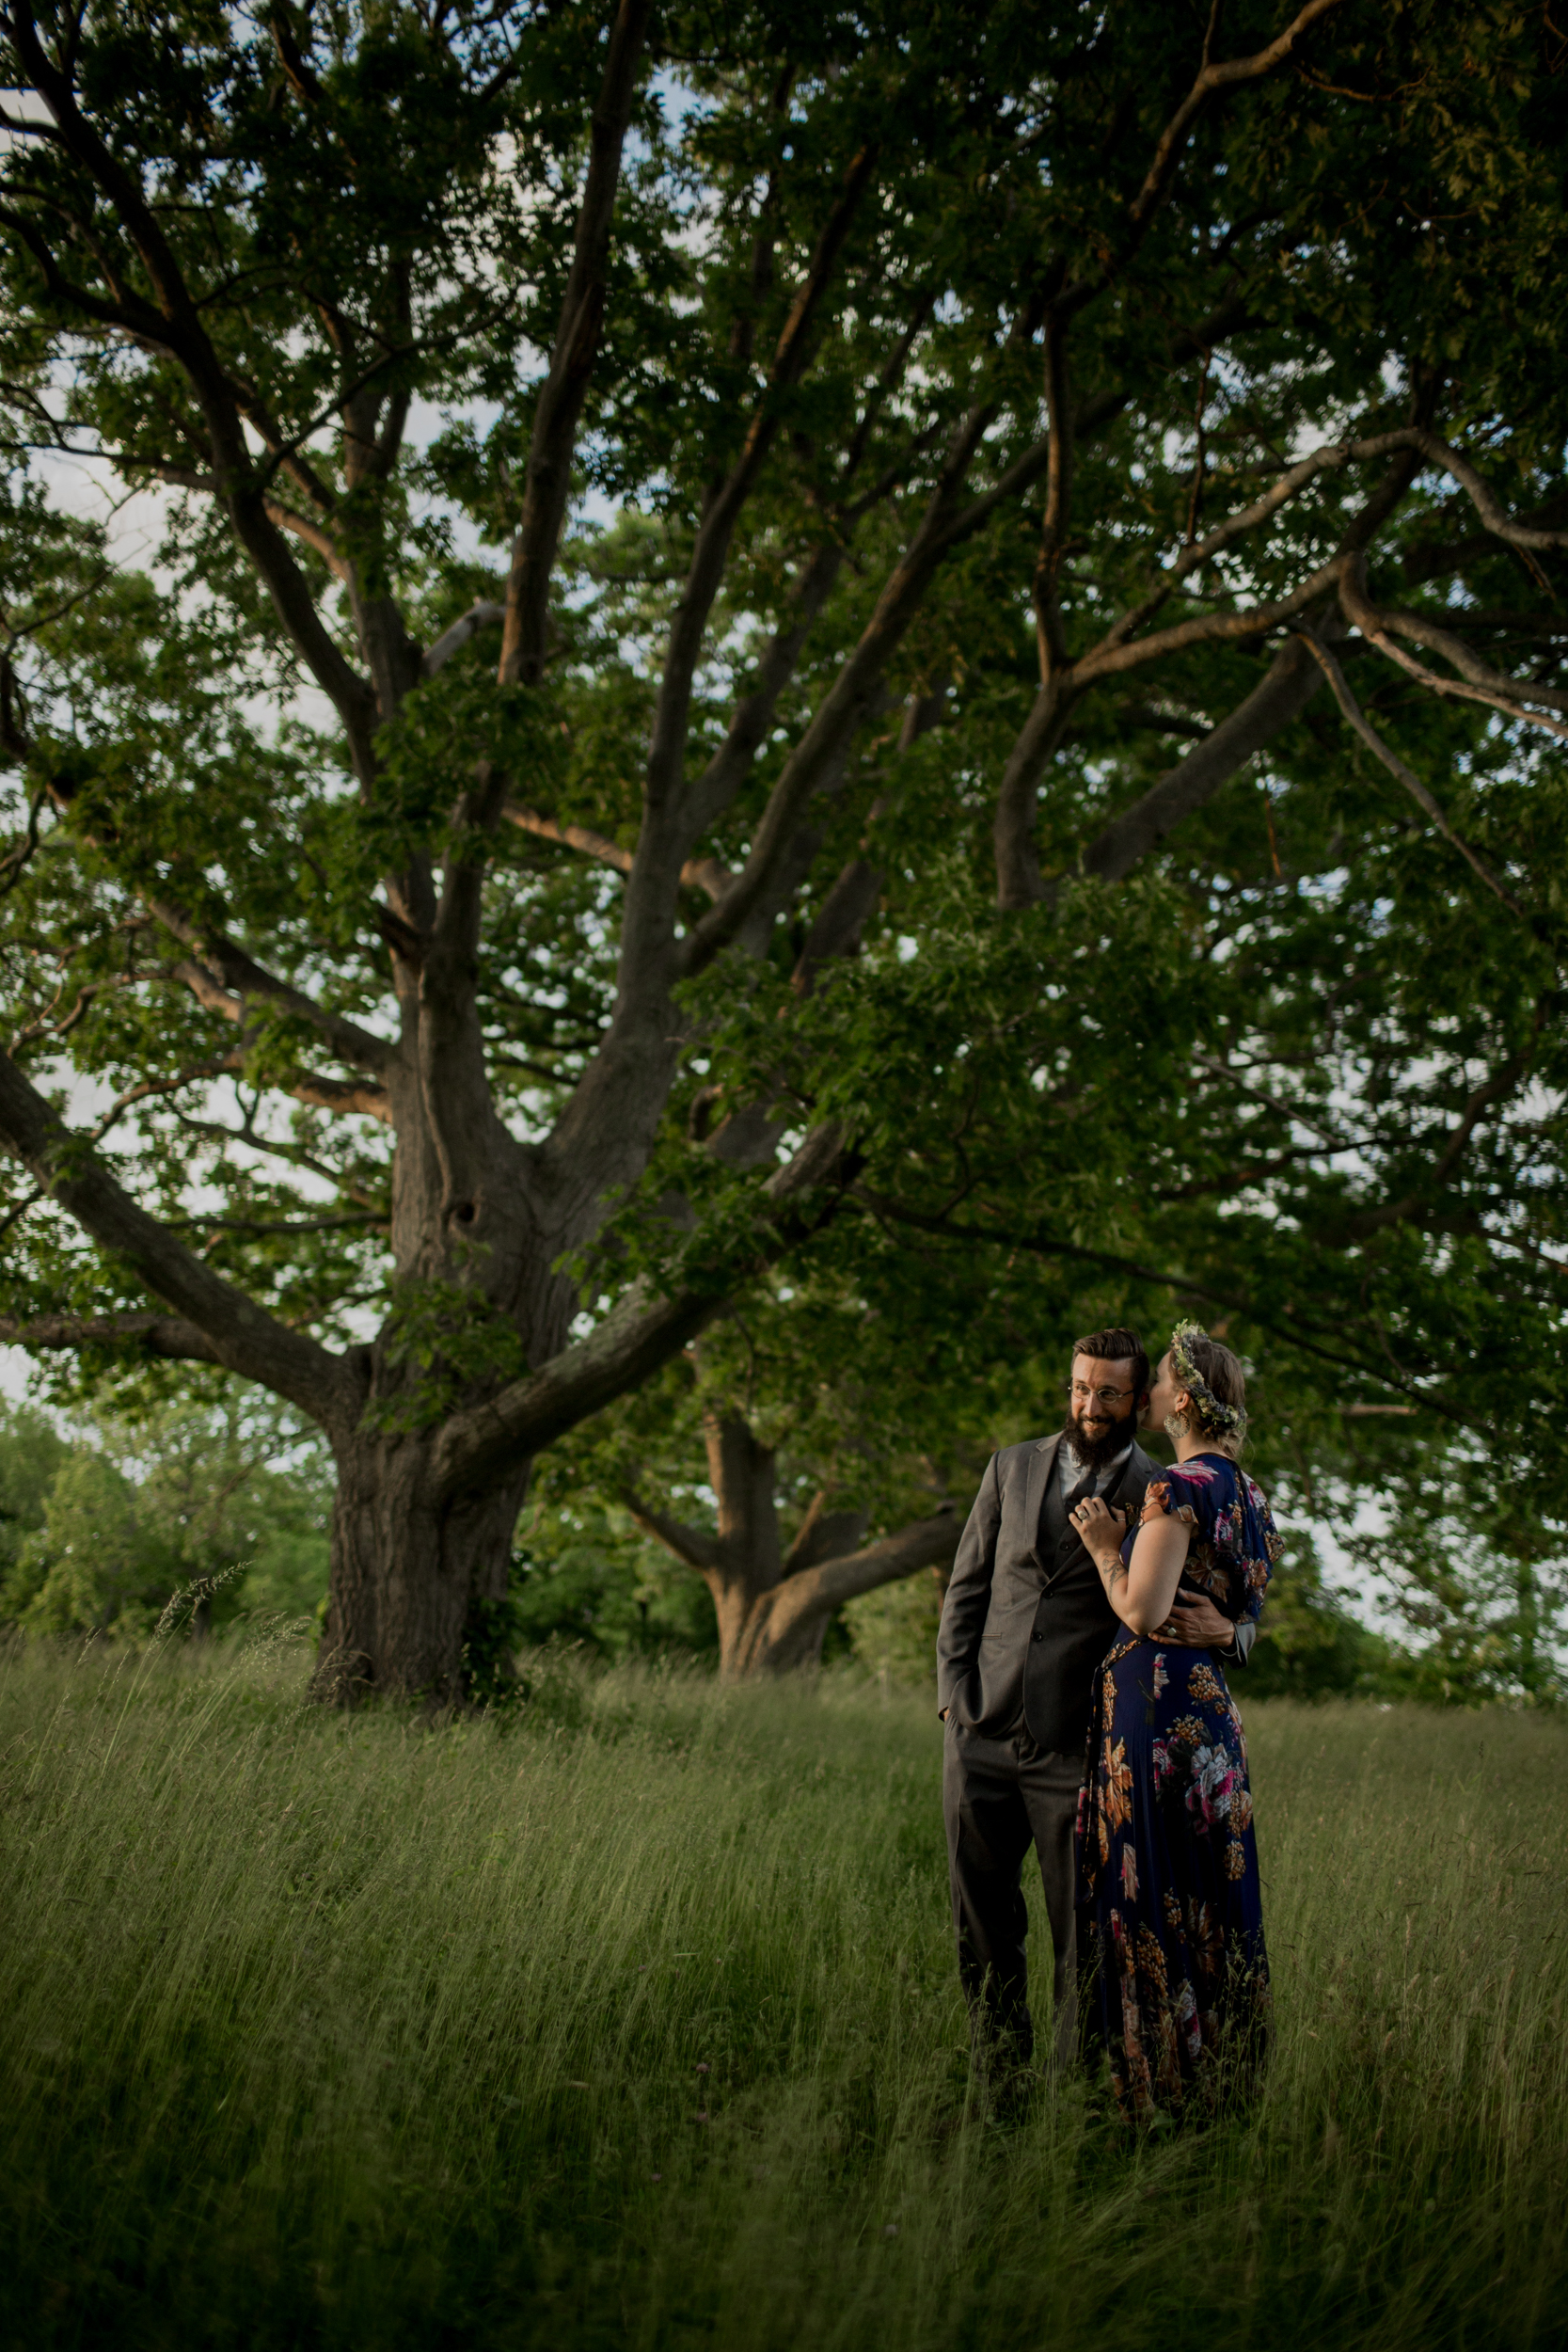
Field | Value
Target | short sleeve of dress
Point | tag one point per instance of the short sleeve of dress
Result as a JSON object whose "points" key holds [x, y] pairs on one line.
{"points": [[1235, 1542]]}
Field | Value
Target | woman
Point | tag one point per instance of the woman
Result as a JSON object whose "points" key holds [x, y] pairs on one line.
{"points": [[1171, 1926]]}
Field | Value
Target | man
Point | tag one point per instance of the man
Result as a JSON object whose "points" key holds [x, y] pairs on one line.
{"points": [[1024, 1625]]}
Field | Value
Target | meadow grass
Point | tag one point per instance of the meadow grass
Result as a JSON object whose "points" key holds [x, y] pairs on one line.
{"points": [[368, 2031]]}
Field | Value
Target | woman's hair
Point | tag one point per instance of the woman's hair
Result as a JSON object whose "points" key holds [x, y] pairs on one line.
{"points": [[1214, 1381]]}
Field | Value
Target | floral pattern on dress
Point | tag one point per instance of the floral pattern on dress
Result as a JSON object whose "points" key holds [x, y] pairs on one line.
{"points": [[1170, 1933], [1235, 1542]]}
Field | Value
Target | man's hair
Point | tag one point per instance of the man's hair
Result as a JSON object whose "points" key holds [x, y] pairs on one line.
{"points": [[1117, 1347]]}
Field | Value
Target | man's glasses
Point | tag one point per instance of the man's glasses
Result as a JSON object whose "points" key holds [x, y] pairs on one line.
{"points": [[1080, 1394]]}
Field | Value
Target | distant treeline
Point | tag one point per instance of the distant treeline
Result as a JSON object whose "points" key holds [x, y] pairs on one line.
{"points": [[200, 1513]]}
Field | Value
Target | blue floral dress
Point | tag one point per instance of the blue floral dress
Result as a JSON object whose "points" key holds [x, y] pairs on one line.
{"points": [[1173, 1971]]}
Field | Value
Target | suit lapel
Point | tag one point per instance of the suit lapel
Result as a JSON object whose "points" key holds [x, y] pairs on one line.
{"points": [[1042, 1468], [1138, 1468]]}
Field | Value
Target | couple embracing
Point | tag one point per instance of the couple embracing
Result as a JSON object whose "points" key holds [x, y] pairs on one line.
{"points": [[1097, 1603]]}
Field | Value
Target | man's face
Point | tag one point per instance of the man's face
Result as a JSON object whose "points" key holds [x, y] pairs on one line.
{"points": [[1103, 1405]]}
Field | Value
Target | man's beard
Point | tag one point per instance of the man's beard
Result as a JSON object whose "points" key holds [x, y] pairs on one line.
{"points": [[1094, 1452]]}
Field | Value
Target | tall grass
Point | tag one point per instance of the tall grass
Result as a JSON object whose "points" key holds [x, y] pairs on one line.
{"points": [[360, 2032]]}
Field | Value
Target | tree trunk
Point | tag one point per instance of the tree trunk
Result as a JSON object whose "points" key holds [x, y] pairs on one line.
{"points": [[773, 1607], [407, 1569]]}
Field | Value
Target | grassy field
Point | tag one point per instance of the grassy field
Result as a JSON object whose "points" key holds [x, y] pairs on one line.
{"points": [[632, 2021]]}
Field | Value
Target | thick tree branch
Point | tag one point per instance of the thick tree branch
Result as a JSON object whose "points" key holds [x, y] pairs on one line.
{"points": [[244, 1337], [672, 718], [816, 1592], [301, 73], [168, 1336], [462, 632], [690, 1545], [1480, 684], [1355, 717], [702, 873], [1280, 696], [225, 976], [1049, 634], [730, 765], [1158, 722], [640, 1332], [450, 1044], [844, 912], [840, 920], [351, 695], [1529, 628], [345, 1098], [309, 533], [547, 480], [823, 1534], [1018, 873], [856, 689], [1486, 503], [1230, 74], [1209, 629], [173, 323]]}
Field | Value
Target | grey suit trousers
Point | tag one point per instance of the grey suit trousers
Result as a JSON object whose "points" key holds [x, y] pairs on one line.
{"points": [[1000, 1795]]}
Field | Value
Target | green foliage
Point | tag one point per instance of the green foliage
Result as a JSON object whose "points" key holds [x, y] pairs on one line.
{"points": [[375, 2033], [448, 1338], [1302, 1072], [490, 1642], [31, 1454], [586, 1574], [1469, 1560], [893, 1631], [97, 1561], [204, 1508], [1309, 1646]]}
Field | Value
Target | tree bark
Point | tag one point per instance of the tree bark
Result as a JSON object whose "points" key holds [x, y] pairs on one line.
{"points": [[773, 1608], [407, 1567]]}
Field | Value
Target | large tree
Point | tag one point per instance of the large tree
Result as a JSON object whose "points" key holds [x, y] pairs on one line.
{"points": [[1056, 374]]}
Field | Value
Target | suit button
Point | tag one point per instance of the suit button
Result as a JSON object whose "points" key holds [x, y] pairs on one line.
{"points": [[1040, 1637]]}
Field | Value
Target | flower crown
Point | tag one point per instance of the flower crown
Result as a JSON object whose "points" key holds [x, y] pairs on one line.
{"points": [[1228, 1419]]}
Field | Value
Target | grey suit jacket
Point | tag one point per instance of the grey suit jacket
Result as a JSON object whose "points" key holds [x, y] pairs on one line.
{"points": [[1025, 1624]]}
